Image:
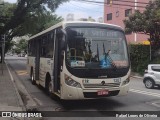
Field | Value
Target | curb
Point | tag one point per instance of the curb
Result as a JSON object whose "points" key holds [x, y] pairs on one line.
{"points": [[21, 89], [138, 77], [16, 89]]}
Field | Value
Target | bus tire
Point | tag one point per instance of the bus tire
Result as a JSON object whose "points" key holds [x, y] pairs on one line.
{"points": [[49, 87], [32, 78]]}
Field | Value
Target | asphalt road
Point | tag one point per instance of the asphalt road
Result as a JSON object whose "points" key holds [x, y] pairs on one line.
{"points": [[138, 99]]}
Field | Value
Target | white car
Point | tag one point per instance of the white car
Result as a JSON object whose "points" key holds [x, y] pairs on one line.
{"points": [[152, 76]]}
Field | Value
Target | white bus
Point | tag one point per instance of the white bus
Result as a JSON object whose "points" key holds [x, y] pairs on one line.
{"points": [[80, 60]]}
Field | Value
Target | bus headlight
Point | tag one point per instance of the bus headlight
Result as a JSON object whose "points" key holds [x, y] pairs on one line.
{"points": [[69, 81], [126, 81]]}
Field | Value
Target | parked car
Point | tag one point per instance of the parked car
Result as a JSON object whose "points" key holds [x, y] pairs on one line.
{"points": [[152, 76], [21, 55]]}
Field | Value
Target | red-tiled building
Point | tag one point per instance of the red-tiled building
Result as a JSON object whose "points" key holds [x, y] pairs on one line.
{"points": [[115, 11]]}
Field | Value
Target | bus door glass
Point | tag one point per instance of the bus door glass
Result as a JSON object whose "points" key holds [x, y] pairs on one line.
{"points": [[37, 59], [57, 59]]}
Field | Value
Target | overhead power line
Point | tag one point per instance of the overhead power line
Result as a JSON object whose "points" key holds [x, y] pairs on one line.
{"points": [[130, 1], [89, 1], [119, 7]]}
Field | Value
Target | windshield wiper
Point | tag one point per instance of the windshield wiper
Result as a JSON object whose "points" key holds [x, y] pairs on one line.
{"points": [[109, 57]]}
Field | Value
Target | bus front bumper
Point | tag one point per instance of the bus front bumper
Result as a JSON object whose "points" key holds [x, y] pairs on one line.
{"points": [[73, 93]]}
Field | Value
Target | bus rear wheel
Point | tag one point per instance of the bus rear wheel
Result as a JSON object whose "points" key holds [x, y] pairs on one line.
{"points": [[32, 78]]}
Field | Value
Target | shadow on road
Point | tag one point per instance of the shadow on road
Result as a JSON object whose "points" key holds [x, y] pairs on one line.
{"points": [[102, 104]]}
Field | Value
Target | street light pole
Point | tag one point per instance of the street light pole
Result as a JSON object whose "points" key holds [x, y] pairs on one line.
{"points": [[3, 51], [3, 42], [150, 52]]}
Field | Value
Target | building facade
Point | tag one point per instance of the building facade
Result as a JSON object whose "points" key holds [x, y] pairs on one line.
{"points": [[115, 11]]}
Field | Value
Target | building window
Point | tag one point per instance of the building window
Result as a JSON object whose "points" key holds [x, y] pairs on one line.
{"points": [[109, 16], [128, 12]]}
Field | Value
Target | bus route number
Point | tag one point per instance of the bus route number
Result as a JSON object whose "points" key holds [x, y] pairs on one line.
{"points": [[85, 81], [117, 80]]}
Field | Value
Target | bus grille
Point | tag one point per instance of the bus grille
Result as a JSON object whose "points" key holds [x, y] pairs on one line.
{"points": [[106, 85]]}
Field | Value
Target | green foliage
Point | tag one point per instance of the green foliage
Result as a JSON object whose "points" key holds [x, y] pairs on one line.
{"points": [[27, 17], [27, 13], [6, 13], [17, 50], [34, 24], [156, 61], [21, 46], [139, 55], [147, 22], [9, 45]]}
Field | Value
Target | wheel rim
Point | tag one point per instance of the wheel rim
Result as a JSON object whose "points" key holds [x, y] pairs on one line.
{"points": [[32, 78], [149, 83], [50, 87]]}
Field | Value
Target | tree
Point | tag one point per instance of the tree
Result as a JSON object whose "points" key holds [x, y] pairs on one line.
{"points": [[147, 22], [29, 10], [34, 24], [21, 46], [28, 17]]}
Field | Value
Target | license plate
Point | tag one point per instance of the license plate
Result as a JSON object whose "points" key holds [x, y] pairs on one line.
{"points": [[102, 92]]}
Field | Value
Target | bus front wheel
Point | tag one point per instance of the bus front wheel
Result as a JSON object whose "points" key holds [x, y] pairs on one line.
{"points": [[32, 78], [49, 88]]}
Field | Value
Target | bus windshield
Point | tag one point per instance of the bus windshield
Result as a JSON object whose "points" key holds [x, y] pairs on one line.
{"points": [[96, 48]]}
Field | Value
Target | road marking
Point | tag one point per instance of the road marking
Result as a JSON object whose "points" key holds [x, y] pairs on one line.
{"points": [[21, 61], [145, 92], [156, 104], [9, 72], [21, 72]]}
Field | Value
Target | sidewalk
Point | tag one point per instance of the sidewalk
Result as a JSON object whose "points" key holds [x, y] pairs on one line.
{"points": [[9, 97], [136, 75]]}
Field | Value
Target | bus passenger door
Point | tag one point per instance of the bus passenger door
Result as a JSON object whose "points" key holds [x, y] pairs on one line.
{"points": [[57, 61], [37, 60]]}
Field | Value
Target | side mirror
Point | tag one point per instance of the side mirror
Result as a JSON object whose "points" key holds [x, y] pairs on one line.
{"points": [[63, 39], [63, 43], [61, 31], [62, 35]]}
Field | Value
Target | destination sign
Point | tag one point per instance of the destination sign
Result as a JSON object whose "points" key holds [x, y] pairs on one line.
{"points": [[96, 32]]}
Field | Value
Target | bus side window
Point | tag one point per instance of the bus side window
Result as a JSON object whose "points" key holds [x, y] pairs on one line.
{"points": [[43, 52], [31, 48], [44, 46], [50, 46]]}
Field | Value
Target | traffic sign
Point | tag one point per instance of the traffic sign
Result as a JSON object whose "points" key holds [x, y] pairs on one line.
{"points": [[146, 42]]}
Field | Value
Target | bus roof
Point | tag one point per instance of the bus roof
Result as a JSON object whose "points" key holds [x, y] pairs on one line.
{"points": [[74, 23]]}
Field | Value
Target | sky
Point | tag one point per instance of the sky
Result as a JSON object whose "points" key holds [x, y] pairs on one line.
{"points": [[79, 9]]}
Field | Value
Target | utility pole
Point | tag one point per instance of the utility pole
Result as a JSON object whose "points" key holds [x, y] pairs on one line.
{"points": [[3, 37], [2, 42]]}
